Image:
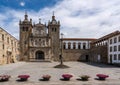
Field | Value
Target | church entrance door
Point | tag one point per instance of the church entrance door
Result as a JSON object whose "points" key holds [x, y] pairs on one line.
{"points": [[40, 55]]}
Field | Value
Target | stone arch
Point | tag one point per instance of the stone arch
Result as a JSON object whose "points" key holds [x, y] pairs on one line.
{"points": [[39, 55]]}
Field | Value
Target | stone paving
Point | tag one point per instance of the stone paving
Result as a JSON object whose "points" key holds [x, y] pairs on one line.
{"points": [[37, 69]]}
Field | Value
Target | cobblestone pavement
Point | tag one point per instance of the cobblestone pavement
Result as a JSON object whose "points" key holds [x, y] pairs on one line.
{"points": [[37, 69]]}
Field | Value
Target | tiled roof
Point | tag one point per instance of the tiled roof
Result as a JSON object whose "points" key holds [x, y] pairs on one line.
{"points": [[108, 36], [84, 39]]}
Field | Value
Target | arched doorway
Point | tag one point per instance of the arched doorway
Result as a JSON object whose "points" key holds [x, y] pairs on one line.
{"points": [[39, 55]]}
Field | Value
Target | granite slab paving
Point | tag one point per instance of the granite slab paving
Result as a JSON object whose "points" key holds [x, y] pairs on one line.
{"points": [[37, 69]]}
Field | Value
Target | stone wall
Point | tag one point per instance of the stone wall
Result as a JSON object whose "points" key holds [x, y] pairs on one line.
{"points": [[99, 54], [73, 54]]}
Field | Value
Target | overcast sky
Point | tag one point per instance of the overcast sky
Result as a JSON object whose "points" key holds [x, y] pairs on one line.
{"points": [[79, 18]]}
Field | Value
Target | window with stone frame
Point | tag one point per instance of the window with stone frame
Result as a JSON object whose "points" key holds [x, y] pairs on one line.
{"points": [[3, 46], [115, 48], [111, 56], [55, 29], [23, 29], [84, 45], [43, 42], [35, 42], [115, 40], [111, 49], [119, 38], [118, 47], [115, 57], [3, 56], [26, 29], [74, 45], [64, 45], [69, 45], [8, 40], [110, 41], [12, 42], [79, 45], [2, 36], [118, 56]]}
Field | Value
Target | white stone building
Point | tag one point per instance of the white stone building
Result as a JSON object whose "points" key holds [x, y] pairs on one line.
{"points": [[114, 49]]}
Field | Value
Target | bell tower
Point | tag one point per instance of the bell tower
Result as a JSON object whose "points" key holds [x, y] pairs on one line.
{"points": [[25, 28], [53, 33]]}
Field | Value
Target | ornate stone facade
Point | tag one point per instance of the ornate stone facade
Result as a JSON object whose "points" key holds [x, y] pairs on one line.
{"points": [[38, 41]]}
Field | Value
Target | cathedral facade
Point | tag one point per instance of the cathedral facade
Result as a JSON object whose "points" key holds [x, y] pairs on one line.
{"points": [[39, 41]]}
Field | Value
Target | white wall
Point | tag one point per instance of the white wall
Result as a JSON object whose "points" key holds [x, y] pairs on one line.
{"points": [[113, 52]]}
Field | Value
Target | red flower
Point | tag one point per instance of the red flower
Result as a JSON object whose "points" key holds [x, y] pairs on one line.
{"points": [[67, 76], [23, 76], [46, 76], [102, 75]]}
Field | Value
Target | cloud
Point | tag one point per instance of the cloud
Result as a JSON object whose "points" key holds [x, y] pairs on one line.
{"points": [[22, 3], [80, 18]]}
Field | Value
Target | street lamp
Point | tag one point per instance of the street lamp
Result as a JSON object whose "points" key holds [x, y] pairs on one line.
{"points": [[61, 65], [61, 56]]}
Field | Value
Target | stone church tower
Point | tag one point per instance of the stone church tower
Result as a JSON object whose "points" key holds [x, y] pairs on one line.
{"points": [[39, 42], [25, 29], [54, 32]]}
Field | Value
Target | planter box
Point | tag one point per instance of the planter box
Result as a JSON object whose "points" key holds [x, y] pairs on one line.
{"points": [[23, 77], [102, 76]]}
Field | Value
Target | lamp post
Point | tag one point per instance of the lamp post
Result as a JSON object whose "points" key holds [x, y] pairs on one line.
{"points": [[61, 65], [61, 56]]}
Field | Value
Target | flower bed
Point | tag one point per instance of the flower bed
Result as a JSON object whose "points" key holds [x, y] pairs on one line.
{"points": [[67, 76], [84, 77], [102, 76], [4, 78], [23, 77], [46, 77]]}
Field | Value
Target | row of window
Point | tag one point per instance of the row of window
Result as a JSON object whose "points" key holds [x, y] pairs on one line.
{"points": [[54, 29], [115, 40], [115, 56], [8, 40], [3, 46], [74, 46], [25, 29], [114, 48]]}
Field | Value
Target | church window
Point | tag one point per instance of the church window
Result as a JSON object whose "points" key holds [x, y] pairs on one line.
{"points": [[69, 45], [26, 29], [52, 29], [31, 39], [43, 42], [23, 29], [39, 39], [79, 45], [74, 45], [35, 42], [55, 29]]}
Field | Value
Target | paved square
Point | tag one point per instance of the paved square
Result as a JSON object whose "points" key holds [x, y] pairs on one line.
{"points": [[37, 69]]}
